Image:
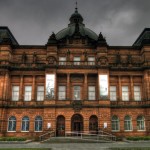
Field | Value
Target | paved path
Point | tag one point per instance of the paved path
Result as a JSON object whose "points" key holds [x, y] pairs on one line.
{"points": [[76, 146]]}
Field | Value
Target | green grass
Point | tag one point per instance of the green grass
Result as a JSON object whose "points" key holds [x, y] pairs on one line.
{"points": [[142, 148], [25, 149]]}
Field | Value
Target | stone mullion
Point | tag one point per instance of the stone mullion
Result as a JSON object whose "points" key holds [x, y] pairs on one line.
{"points": [[68, 86], [85, 87], [131, 89], [33, 89], [55, 87], [119, 88], [21, 89], [4, 86]]}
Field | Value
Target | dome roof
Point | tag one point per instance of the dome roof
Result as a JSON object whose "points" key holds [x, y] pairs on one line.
{"points": [[76, 25]]}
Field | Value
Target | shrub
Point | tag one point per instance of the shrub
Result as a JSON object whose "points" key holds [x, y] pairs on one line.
{"points": [[137, 138], [12, 139]]}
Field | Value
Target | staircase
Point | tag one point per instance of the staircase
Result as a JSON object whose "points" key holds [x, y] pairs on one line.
{"points": [[78, 137]]}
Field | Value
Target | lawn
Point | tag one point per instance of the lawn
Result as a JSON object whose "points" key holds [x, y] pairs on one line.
{"points": [[25, 149], [130, 148]]}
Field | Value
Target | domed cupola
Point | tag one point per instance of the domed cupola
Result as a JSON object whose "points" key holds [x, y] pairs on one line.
{"points": [[76, 28], [76, 17]]}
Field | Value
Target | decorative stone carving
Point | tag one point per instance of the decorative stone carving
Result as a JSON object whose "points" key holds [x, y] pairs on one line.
{"points": [[34, 58], [77, 105], [103, 61], [51, 60], [118, 58], [24, 58], [129, 59], [85, 55]]}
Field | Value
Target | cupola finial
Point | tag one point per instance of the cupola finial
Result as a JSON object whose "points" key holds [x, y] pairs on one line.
{"points": [[76, 9]]}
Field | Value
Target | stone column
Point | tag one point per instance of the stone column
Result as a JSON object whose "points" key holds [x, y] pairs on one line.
{"points": [[4, 86], [131, 89], [119, 88], [33, 88], [85, 87], [21, 98], [68, 87]]}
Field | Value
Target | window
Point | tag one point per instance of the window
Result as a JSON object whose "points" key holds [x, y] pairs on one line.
{"points": [[25, 123], [127, 123], [40, 93], [28, 92], [115, 123], [76, 92], [91, 60], [125, 93], [38, 123], [137, 93], [15, 93], [113, 93], [140, 123], [76, 60], [62, 92], [62, 60], [12, 123], [91, 92]]}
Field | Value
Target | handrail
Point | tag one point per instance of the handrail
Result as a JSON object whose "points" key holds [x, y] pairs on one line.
{"points": [[90, 136], [48, 133]]}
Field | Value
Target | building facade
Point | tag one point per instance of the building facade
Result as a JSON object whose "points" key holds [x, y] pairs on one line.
{"points": [[76, 82]]}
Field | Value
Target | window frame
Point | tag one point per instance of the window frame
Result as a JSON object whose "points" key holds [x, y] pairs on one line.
{"points": [[94, 92], [127, 121], [137, 92], [25, 92], [12, 123], [40, 92], [62, 62], [22, 124], [140, 122], [77, 91], [115, 91], [61, 92], [37, 121], [116, 123], [123, 92], [76, 62], [91, 63], [13, 86]]}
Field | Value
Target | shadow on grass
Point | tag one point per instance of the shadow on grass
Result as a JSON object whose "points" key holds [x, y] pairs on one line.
{"points": [[25, 149], [142, 148]]}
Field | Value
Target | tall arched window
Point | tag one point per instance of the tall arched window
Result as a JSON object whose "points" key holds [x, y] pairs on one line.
{"points": [[12, 123], [140, 123], [25, 123], [38, 123], [127, 123], [115, 125]]}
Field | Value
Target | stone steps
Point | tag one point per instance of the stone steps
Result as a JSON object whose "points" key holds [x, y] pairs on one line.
{"points": [[73, 140]]}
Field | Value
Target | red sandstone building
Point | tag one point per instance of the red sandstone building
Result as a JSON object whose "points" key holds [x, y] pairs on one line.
{"points": [[76, 82]]}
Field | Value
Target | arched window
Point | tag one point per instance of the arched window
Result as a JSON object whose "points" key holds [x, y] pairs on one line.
{"points": [[127, 123], [25, 123], [140, 123], [115, 125], [38, 123], [93, 124], [12, 123]]}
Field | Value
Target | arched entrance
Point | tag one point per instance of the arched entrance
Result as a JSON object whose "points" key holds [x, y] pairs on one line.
{"points": [[93, 124], [60, 126], [77, 123]]}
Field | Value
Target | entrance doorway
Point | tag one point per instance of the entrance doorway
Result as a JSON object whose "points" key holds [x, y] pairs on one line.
{"points": [[77, 123], [93, 124], [60, 126]]}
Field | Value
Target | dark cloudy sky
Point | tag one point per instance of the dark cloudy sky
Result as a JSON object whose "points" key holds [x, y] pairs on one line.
{"points": [[32, 21]]}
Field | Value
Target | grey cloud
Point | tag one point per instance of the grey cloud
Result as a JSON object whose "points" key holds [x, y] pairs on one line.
{"points": [[32, 21]]}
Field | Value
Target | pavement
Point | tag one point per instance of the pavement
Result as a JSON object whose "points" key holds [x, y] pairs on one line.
{"points": [[78, 146]]}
